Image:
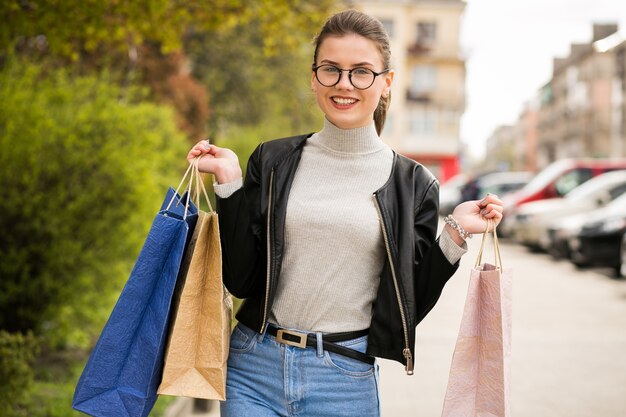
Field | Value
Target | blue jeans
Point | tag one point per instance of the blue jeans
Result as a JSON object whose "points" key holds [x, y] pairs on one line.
{"points": [[266, 378]]}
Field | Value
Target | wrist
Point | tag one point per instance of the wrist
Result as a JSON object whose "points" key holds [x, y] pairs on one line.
{"points": [[457, 232], [226, 173], [454, 235]]}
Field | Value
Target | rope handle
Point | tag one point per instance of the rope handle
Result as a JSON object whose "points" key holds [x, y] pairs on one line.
{"points": [[491, 229], [193, 172], [200, 184]]}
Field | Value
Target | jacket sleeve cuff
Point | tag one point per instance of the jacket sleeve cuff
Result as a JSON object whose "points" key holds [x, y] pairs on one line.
{"points": [[450, 249], [226, 190]]}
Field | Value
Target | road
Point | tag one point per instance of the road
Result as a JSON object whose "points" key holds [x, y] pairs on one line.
{"points": [[569, 343]]}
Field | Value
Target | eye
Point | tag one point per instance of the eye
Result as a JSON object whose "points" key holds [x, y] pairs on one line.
{"points": [[330, 69], [361, 71]]}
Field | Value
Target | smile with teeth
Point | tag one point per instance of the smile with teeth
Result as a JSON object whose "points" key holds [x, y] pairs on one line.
{"points": [[344, 101]]}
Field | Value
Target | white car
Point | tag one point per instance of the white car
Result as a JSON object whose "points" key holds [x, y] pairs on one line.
{"points": [[530, 223], [563, 231]]}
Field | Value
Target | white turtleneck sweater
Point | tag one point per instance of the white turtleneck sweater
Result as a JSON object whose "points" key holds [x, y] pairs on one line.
{"points": [[334, 249]]}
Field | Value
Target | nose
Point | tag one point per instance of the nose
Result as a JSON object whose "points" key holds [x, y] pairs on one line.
{"points": [[344, 81]]}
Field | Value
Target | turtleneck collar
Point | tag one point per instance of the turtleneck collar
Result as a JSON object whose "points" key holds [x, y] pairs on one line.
{"points": [[360, 140]]}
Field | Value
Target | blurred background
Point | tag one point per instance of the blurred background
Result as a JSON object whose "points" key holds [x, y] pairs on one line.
{"points": [[100, 101]]}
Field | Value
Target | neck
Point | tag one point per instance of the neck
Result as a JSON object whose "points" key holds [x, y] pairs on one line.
{"points": [[360, 140]]}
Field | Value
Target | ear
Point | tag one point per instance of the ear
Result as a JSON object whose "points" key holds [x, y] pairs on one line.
{"points": [[313, 83], [388, 82]]}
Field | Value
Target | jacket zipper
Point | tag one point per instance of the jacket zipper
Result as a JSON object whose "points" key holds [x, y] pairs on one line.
{"points": [[269, 255], [406, 352]]}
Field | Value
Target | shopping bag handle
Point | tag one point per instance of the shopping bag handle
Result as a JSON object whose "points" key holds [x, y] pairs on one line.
{"points": [[199, 183], [491, 229], [187, 172]]}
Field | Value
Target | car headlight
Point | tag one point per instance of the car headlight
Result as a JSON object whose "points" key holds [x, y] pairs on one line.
{"points": [[613, 225]]}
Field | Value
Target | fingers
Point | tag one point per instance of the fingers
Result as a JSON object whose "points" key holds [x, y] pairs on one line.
{"points": [[490, 198], [200, 148], [491, 207]]}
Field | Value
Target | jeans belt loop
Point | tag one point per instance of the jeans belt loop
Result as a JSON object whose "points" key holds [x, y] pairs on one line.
{"points": [[320, 345]]}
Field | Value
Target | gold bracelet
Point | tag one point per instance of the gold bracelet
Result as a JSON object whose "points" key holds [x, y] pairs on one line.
{"points": [[450, 221]]}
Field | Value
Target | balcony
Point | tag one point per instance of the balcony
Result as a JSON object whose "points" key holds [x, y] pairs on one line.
{"points": [[418, 96], [420, 48]]}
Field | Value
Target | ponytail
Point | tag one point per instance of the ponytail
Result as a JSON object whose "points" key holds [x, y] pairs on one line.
{"points": [[380, 114]]}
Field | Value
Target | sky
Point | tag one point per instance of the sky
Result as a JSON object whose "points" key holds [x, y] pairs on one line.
{"points": [[509, 46]]}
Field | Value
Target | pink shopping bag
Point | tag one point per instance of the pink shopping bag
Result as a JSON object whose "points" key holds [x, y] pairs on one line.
{"points": [[479, 381]]}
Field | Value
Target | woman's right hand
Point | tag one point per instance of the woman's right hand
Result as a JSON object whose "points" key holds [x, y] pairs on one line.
{"points": [[221, 162]]}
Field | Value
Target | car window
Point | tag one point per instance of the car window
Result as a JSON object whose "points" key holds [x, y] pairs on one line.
{"points": [[617, 191], [571, 180]]}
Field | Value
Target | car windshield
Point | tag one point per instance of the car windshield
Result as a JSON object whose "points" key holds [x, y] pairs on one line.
{"points": [[617, 206], [546, 176], [592, 187]]}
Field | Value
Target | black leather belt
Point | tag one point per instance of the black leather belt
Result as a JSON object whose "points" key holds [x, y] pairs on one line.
{"points": [[304, 340]]}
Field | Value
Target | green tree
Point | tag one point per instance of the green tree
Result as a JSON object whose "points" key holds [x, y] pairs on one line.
{"points": [[250, 46]]}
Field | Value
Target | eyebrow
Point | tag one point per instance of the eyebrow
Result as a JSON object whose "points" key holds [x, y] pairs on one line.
{"points": [[359, 64]]}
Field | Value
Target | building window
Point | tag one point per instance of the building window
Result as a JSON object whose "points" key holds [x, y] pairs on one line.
{"points": [[423, 122], [388, 25], [423, 79], [426, 33]]}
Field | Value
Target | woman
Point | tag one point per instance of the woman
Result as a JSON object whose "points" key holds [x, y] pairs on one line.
{"points": [[331, 242]]}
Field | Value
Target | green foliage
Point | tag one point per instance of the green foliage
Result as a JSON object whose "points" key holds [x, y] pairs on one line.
{"points": [[73, 28], [82, 174], [17, 353], [251, 90]]}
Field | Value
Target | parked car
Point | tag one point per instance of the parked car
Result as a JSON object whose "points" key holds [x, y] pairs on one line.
{"points": [[503, 183], [556, 180], [531, 221], [461, 187], [562, 231], [602, 243]]}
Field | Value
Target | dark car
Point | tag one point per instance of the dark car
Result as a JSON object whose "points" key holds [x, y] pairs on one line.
{"points": [[601, 243]]}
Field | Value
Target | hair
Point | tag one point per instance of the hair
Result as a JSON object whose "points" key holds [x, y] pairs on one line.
{"points": [[355, 22]]}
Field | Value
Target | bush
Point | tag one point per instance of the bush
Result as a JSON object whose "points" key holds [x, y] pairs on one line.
{"points": [[82, 173], [17, 353], [83, 169]]}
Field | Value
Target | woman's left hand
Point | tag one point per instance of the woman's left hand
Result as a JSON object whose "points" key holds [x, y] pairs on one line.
{"points": [[473, 215]]}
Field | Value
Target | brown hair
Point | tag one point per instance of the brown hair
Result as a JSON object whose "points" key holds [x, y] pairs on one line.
{"points": [[353, 21]]}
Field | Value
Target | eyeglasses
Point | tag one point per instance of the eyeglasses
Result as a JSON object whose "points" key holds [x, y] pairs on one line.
{"points": [[360, 78]]}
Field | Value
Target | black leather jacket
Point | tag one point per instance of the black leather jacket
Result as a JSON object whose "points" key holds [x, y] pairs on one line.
{"points": [[252, 222]]}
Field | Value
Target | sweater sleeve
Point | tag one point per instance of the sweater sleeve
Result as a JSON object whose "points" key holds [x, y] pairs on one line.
{"points": [[226, 190], [450, 249]]}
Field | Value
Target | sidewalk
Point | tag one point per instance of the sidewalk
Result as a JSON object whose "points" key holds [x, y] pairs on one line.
{"points": [[188, 407]]}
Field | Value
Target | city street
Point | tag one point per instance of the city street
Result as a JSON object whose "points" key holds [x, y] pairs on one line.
{"points": [[569, 343]]}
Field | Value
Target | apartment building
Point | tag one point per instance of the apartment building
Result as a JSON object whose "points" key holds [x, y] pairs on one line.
{"points": [[428, 95], [580, 111]]}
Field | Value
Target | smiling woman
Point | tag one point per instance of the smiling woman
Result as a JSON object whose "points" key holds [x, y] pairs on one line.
{"points": [[331, 241]]}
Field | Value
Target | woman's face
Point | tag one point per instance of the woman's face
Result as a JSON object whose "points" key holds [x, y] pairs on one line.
{"points": [[344, 105]]}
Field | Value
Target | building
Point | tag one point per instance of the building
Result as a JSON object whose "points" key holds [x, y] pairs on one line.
{"points": [[575, 111], [514, 147], [428, 95], [579, 112]]}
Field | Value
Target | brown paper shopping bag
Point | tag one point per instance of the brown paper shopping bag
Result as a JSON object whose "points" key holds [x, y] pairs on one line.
{"points": [[197, 352], [478, 384]]}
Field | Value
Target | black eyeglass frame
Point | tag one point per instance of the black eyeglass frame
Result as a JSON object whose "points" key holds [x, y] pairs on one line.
{"points": [[349, 71]]}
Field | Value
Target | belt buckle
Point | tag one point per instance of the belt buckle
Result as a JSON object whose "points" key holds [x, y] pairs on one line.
{"points": [[280, 337]]}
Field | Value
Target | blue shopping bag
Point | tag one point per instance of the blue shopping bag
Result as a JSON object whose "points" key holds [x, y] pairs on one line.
{"points": [[124, 370]]}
